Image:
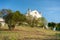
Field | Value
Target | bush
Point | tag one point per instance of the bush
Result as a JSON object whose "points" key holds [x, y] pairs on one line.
{"points": [[58, 28]]}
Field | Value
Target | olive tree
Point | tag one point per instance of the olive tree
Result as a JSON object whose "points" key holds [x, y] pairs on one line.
{"points": [[12, 18], [9, 21]]}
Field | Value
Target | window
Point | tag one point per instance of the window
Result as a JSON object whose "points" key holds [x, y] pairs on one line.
{"points": [[35, 12]]}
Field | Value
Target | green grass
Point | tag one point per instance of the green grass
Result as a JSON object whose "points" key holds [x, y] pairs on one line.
{"points": [[21, 33]]}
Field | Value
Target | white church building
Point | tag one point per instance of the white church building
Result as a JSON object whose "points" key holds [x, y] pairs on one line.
{"points": [[34, 13]]}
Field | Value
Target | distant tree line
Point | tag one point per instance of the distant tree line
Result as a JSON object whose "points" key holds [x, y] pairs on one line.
{"points": [[54, 25]]}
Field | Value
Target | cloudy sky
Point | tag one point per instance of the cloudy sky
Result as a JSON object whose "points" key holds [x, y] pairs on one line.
{"points": [[50, 8]]}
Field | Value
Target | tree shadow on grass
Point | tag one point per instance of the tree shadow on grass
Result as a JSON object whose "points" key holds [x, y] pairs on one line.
{"points": [[2, 29]]}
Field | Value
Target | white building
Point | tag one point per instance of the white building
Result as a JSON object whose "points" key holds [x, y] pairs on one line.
{"points": [[34, 13], [2, 21]]}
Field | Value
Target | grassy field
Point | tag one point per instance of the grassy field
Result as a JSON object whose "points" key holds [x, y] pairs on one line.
{"points": [[28, 33]]}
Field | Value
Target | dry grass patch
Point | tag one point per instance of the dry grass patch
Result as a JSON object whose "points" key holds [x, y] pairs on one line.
{"points": [[28, 32]]}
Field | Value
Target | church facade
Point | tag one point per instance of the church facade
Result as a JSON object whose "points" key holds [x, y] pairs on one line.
{"points": [[34, 13]]}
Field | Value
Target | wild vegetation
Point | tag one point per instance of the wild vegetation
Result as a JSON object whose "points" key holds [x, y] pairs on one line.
{"points": [[14, 18], [28, 33]]}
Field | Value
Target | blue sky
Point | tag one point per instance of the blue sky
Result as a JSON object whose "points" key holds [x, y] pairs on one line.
{"points": [[50, 8]]}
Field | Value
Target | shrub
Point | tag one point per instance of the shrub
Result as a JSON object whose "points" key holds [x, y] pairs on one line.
{"points": [[0, 25]]}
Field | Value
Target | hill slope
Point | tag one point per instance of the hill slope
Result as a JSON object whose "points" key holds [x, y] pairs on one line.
{"points": [[28, 33]]}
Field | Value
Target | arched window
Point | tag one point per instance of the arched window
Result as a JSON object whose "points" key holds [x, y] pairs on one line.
{"points": [[35, 12]]}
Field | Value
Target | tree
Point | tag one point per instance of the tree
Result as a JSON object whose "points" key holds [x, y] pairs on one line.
{"points": [[9, 21], [6, 11], [33, 21], [29, 19], [42, 22], [52, 25], [58, 27], [12, 18], [0, 14], [18, 17]]}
